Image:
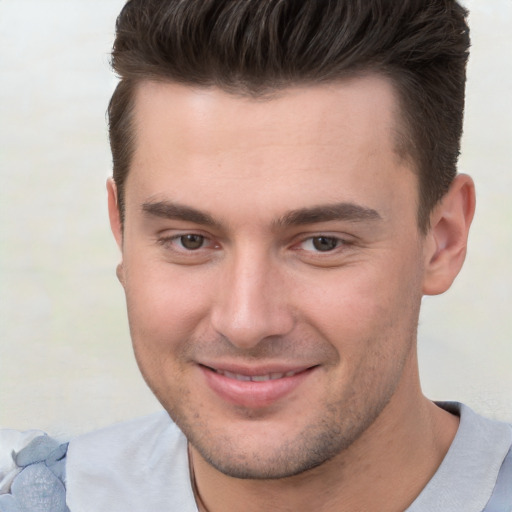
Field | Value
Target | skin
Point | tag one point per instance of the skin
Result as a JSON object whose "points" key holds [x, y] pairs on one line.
{"points": [[258, 186]]}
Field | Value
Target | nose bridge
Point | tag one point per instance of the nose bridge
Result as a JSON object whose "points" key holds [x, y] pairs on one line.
{"points": [[251, 305]]}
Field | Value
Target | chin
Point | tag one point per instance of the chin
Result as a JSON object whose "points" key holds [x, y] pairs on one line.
{"points": [[259, 456]]}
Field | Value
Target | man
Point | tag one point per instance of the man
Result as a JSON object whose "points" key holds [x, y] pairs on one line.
{"points": [[284, 193]]}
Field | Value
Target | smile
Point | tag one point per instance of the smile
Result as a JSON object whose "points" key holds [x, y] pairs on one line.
{"points": [[254, 388], [256, 378]]}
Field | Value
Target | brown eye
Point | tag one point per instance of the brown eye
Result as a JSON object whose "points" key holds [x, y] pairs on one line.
{"points": [[192, 242], [325, 243]]}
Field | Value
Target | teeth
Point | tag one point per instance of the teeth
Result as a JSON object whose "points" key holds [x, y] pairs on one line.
{"points": [[260, 378], [255, 378], [236, 376]]}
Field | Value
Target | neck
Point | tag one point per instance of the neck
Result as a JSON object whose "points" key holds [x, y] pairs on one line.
{"points": [[385, 469]]}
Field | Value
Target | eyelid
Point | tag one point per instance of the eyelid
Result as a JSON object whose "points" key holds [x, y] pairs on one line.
{"points": [[311, 240], [342, 254], [342, 238], [168, 239]]}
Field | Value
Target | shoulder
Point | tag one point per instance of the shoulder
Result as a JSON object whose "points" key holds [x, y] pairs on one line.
{"points": [[140, 464], [125, 445], [469, 476], [501, 498], [130, 444], [114, 438], [32, 472]]}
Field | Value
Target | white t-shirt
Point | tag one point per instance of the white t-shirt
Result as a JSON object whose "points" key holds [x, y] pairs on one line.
{"points": [[142, 465]]}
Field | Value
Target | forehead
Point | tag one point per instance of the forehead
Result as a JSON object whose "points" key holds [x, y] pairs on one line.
{"points": [[198, 142], [317, 113]]}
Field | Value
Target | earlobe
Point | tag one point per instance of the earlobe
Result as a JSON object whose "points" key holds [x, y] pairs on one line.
{"points": [[446, 242], [120, 273], [114, 214]]}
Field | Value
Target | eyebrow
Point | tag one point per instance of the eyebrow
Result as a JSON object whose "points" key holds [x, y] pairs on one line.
{"points": [[176, 211], [350, 212]]}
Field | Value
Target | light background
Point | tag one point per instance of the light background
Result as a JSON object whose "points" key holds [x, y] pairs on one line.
{"points": [[66, 364]]}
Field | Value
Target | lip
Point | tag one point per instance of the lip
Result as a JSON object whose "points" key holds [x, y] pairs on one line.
{"points": [[256, 393]]}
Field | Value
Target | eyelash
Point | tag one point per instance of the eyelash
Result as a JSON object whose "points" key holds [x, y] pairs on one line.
{"points": [[170, 240], [337, 241]]}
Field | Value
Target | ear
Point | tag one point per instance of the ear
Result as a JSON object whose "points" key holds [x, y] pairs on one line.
{"points": [[114, 214], [115, 222], [446, 244]]}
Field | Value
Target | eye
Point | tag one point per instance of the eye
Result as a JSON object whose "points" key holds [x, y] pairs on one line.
{"points": [[187, 243], [191, 242], [188, 248], [321, 243]]}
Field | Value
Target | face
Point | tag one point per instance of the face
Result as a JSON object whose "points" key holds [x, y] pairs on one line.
{"points": [[273, 268]]}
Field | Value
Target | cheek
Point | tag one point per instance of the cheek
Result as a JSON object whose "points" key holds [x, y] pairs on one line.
{"points": [[359, 307], [164, 306], [164, 311]]}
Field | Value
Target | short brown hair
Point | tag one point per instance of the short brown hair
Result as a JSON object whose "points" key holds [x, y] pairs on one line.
{"points": [[256, 46]]}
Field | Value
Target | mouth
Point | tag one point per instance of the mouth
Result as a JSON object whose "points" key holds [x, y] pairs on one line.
{"points": [[256, 378], [255, 387]]}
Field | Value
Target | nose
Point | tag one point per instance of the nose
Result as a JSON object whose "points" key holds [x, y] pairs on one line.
{"points": [[251, 303]]}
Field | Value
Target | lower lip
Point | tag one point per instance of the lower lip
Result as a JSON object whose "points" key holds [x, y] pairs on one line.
{"points": [[253, 394]]}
